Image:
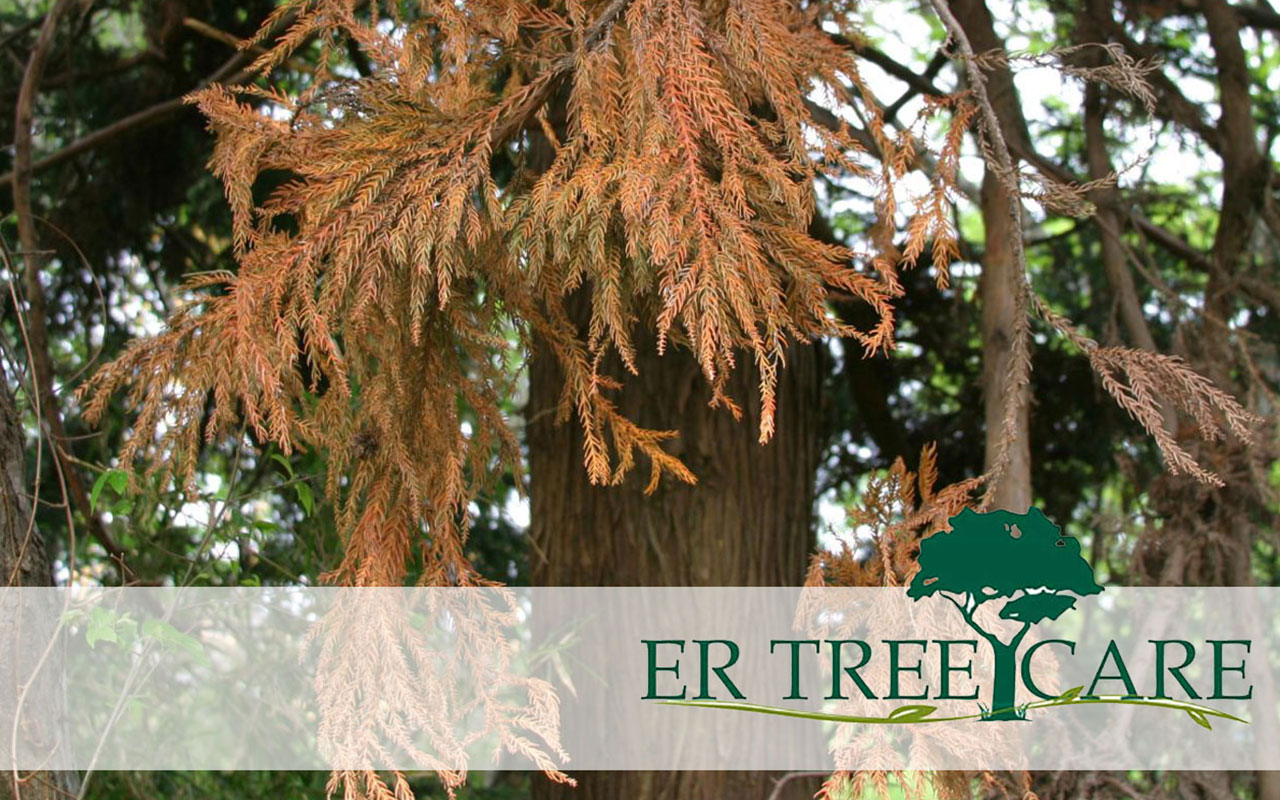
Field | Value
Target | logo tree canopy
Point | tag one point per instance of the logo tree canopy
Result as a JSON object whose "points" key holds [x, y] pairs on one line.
{"points": [[1022, 559]]}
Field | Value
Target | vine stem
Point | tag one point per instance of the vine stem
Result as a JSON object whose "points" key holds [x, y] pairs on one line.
{"points": [[921, 714]]}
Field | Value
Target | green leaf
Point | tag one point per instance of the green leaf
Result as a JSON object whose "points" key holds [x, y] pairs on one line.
{"points": [[912, 713], [305, 497], [283, 462], [1199, 718], [174, 640], [154, 628], [119, 480], [126, 631], [99, 633], [1071, 694], [102, 628]]}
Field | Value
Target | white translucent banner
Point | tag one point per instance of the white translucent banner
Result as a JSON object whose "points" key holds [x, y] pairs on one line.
{"points": [[636, 678]]}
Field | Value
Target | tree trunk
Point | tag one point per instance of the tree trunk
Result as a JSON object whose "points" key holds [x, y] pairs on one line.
{"points": [[999, 318], [1004, 692], [748, 521], [1114, 261], [24, 561], [996, 286]]}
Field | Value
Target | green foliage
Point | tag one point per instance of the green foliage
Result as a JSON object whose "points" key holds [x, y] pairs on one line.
{"points": [[1036, 608], [998, 554], [282, 785], [101, 624]]}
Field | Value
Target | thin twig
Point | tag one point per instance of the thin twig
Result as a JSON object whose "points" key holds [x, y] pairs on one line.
{"points": [[780, 783]]}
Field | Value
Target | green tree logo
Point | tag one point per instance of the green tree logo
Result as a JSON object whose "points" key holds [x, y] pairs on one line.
{"points": [[1022, 559]]}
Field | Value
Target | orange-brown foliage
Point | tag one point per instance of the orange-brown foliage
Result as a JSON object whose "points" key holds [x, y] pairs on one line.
{"points": [[658, 154]]}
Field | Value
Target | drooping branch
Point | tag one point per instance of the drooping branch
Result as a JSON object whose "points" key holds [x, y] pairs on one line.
{"points": [[1174, 105], [1013, 385], [546, 84]]}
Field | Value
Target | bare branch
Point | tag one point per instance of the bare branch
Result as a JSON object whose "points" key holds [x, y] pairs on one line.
{"points": [[920, 83], [47, 405], [234, 71]]}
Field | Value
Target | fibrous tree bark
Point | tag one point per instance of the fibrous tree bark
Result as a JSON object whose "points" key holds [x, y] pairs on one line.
{"points": [[747, 522], [24, 561]]}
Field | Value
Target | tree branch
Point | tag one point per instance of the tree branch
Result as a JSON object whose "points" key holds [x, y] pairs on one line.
{"points": [[968, 618], [930, 72], [1254, 16], [1017, 637], [827, 119], [1163, 237], [920, 83], [232, 72], [1174, 105], [47, 405]]}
